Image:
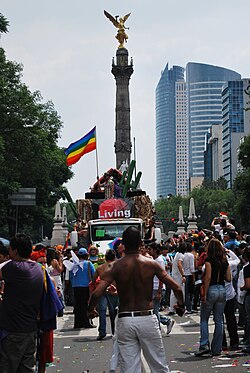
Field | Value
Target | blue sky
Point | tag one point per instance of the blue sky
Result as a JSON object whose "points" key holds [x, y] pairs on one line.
{"points": [[66, 49]]}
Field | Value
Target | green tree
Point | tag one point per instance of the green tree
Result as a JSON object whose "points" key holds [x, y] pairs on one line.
{"points": [[208, 204], [241, 185], [29, 154], [3, 24], [167, 210], [244, 153], [247, 92]]}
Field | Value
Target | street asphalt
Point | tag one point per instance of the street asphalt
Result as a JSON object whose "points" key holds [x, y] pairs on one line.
{"points": [[78, 351]]}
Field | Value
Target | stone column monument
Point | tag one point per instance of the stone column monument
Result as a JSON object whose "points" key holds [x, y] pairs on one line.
{"points": [[57, 233], [192, 218], [180, 223], [122, 71], [65, 223]]}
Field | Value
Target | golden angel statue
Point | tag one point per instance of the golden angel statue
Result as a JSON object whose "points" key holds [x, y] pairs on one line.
{"points": [[120, 25]]}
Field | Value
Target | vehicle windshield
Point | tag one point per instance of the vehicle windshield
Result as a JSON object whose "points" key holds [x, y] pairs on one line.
{"points": [[103, 232]]}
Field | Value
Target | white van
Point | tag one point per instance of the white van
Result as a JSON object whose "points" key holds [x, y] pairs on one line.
{"points": [[104, 231]]}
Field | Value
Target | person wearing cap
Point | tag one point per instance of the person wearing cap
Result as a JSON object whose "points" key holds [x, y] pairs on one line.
{"points": [[137, 325], [230, 241], [119, 248], [80, 280]]}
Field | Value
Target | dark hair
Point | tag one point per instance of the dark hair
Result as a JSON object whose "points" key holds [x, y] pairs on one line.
{"points": [[153, 245], [223, 223], [181, 248], [232, 234], [216, 250], [217, 236], [131, 238], [22, 243], [189, 247], [3, 249], [110, 255], [84, 256], [165, 247], [39, 246], [51, 254]]}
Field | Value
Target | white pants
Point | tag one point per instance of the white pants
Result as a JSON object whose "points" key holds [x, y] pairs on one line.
{"points": [[136, 333]]}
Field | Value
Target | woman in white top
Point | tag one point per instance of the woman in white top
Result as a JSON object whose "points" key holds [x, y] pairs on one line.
{"points": [[177, 274]]}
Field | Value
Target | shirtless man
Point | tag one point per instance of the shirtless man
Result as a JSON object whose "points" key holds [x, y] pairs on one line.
{"points": [[137, 326]]}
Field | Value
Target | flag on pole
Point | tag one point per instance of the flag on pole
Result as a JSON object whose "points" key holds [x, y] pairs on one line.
{"points": [[80, 147]]}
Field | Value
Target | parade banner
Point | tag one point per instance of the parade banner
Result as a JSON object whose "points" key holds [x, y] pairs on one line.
{"points": [[113, 208]]}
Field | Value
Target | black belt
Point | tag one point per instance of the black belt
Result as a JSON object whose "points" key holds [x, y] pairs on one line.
{"points": [[135, 313]]}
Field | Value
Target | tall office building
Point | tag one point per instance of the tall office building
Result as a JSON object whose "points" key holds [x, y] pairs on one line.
{"points": [[204, 85], [235, 124], [182, 171], [166, 130], [213, 169]]}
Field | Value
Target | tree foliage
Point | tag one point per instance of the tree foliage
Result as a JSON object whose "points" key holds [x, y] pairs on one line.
{"points": [[247, 92], [3, 24], [212, 198], [29, 154], [208, 204], [241, 185]]}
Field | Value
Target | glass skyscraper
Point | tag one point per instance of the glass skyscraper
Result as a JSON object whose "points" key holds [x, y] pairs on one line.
{"points": [[204, 85], [236, 124], [166, 131]]}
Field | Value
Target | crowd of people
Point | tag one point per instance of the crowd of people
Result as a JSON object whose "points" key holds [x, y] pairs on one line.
{"points": [[212, 268], [204, 271]]}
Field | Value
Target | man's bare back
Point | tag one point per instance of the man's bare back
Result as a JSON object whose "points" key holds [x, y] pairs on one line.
{"points": [[133, 275]]}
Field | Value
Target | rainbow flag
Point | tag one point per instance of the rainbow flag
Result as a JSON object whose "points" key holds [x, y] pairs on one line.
{"points": [[80, 147]]}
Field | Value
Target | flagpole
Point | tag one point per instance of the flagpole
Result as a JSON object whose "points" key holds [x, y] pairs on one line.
{"points": [[96, 156], [134, 157]]}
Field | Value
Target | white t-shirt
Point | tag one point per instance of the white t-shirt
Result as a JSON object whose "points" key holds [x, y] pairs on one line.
{"points": [[175, 270], [188, 264], [156, 280], [167, 262]]}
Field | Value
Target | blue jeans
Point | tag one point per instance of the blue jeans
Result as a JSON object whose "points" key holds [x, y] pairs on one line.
{"points": [[216, 300], [110, 301], [157, 305], [247, 310], [188, 292]]}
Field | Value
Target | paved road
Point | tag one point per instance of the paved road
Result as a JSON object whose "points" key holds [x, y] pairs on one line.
{"points": [[77, 351]]}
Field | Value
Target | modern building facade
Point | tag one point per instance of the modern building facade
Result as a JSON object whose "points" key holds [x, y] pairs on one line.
{"points": [[166, 130], [235, 124], [213, 167], [182, 170], [204, 85]]}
